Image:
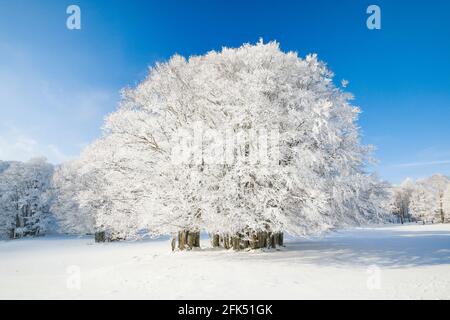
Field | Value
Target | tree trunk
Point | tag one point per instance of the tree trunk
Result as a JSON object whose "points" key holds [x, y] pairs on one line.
{"points": [[190, 239], [197, 239], [261, 239], [173, 242], [100, 236], [245, 244], [258, 240], [271, 243], [226, 242], [235, 241], [186, 240], [11, 233], [266, 239], [215, 241], [254, 243], [182, 240]]}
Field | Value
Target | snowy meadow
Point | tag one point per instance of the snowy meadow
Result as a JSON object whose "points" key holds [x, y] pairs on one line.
{"points": [[389, 262]]}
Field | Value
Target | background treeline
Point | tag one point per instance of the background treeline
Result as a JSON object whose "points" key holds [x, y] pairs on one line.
{"points": [[30, 190], [426, 200]]}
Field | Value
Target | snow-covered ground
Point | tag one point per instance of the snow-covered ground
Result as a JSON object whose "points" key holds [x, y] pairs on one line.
{"points": [[391, 262]]}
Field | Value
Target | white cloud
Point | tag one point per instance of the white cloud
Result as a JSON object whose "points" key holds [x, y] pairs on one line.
{"points": [[15, 145]]}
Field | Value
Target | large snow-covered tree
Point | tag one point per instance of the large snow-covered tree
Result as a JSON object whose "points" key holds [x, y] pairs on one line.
{"points": [[244, 143], [25, 198]]}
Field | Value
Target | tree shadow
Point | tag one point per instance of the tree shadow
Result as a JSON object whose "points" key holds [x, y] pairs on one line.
{"points": [[393, 249]]}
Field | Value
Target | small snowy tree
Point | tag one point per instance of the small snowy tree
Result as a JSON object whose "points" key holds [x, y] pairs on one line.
{"points": [[67, 185], [25, 201], [104, 193], [437, 184], [401, 198], [423, 204]]}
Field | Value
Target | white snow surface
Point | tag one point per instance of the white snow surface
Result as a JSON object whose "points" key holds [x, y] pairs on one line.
{"points": [[387, 262]]}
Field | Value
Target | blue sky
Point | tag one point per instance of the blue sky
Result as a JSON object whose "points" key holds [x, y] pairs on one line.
{"points": [[56, 85]]}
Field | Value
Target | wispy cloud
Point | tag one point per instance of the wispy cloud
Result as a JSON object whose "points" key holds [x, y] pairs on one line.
{"points": [[422, 164]]}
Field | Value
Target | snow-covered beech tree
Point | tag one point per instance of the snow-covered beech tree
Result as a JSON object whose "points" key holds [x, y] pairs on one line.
{"points": [[400, 199], [67, 185], [25, 198], [423, 205], [437, 184], [244, 144]]}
